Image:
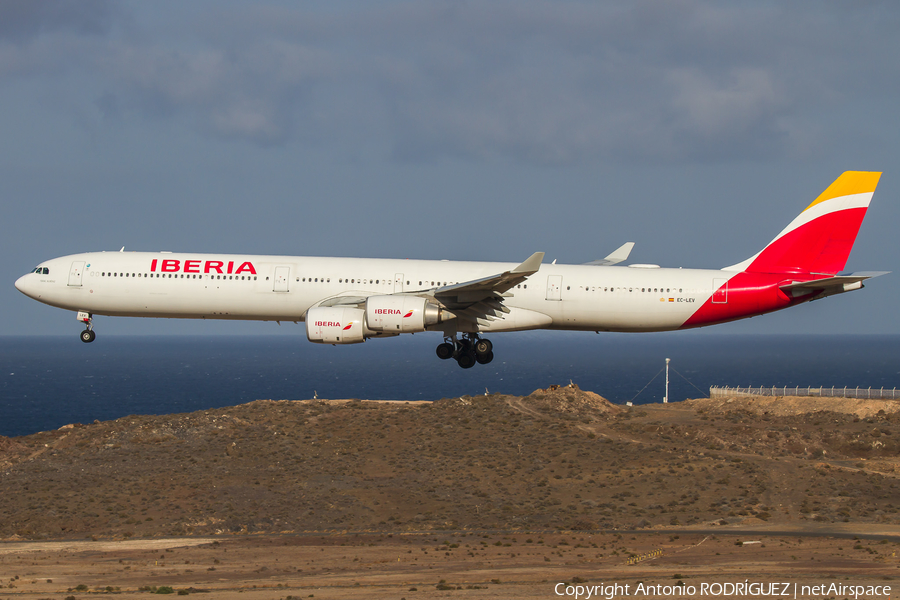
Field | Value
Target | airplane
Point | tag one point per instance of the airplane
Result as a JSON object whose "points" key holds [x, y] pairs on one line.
{"points": [[351, 300]]}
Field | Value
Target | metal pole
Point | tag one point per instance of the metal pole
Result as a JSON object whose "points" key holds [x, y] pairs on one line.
{"points": [[666, 397]]}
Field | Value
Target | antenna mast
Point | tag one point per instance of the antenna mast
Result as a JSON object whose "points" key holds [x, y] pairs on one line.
{"points": [[666, 397]]}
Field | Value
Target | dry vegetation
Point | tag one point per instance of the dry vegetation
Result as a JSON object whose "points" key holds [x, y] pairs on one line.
{"points": [[475, 497], [559, 459]]}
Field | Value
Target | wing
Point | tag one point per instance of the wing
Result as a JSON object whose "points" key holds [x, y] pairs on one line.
{"points": [[618, 255], [479, 301], [469, 292]]}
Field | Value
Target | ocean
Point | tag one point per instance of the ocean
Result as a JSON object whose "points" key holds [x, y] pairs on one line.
{"points": [[47, 382]]}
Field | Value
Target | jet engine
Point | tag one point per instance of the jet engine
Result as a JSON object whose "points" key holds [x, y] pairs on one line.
{"points": [[401, 314], [335, 325]]}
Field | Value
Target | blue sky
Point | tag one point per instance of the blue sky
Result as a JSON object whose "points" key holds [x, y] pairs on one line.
{"points": [[476, 131]]}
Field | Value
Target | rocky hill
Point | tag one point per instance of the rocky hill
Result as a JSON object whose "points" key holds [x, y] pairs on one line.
{"points": [[560, 458]]}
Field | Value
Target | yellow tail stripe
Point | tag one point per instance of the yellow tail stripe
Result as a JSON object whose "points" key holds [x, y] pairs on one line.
{"points": [[851, 182]]}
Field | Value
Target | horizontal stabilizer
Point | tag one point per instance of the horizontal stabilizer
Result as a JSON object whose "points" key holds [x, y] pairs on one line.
{"points": [[618, 255], [831, 285]]}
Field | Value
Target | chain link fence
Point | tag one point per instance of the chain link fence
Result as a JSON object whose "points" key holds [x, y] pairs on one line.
{"points": [[822, 392]]}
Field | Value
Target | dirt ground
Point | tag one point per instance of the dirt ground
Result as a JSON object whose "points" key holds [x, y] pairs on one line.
{"points": [[544, 496], [447, 564]]}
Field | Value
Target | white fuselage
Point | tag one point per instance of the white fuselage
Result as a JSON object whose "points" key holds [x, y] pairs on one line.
{"points": [[283, 288]]}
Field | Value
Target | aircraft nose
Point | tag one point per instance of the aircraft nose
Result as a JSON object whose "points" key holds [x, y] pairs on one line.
{"points": [[22, 284]]}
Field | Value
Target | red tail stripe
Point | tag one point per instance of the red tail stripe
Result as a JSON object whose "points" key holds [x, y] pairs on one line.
{"points": [[820, 246]]}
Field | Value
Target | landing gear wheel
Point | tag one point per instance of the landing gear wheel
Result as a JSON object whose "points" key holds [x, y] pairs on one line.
{"points": [[445, 351], [466, 360], [484, 359], [87, 336], [483, 346]]}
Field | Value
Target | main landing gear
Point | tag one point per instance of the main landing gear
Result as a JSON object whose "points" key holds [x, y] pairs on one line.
{"points": [[467, 351], [88, 335]]}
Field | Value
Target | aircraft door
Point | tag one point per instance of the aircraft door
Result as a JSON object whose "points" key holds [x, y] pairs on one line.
{"points": [[720, 291], [554, 287], [398, 283], [75, 273], [282, 279]]}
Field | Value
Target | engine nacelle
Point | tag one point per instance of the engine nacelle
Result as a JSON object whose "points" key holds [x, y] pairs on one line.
{"points": [[400, 314], [335, 325]]}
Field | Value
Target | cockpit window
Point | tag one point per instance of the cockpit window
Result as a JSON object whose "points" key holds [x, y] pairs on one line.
{"points": [[41, 270], [46, 271]]}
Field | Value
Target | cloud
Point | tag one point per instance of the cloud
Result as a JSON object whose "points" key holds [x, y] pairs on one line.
{"points": [[534, 82], [21, 21]]}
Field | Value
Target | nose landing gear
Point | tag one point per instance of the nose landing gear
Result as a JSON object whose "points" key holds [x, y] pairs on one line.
{"points": [[467, 351], [88, 335]]}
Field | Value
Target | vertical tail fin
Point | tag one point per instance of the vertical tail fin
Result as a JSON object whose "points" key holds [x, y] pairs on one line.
{"points": [[819, 240]]}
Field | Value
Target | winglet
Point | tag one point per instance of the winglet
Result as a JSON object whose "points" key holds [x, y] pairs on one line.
{"points": [[618, 255], [531, 264]]}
